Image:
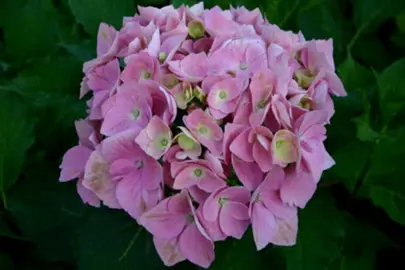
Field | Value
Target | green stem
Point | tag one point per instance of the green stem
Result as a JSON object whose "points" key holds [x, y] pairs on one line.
{"points": [[3, 197], [130, 244]]}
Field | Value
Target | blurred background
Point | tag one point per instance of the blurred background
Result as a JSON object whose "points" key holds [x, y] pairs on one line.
{"points": [[355, 221]]}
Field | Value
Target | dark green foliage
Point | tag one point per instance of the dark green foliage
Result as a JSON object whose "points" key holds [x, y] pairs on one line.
{"points": [[353, 221]]}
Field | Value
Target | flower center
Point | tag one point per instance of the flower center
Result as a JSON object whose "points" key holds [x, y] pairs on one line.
{"points": [[221, 201], [222, 94], [136, 113], [203, 129], [189, 218], [139, 164], [243, 66], [185, 142], [197, 172], [305, 103], [164, 142], [146, 74], [262, 104], [162, 57], [196, 29]]}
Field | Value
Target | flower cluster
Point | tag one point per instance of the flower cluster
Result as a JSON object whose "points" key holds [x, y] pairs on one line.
{"points": [[202, 122]]}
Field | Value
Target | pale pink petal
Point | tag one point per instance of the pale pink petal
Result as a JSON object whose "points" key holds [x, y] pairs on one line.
{"points": [[163, 222], [228, 222], [195, 247], [241, 147], [97, 179], [248, 173], [74, 162], [286, 231], [87, 195], [168, 250], [263, 225], [210, 208], [297, 189], [231, 132]]}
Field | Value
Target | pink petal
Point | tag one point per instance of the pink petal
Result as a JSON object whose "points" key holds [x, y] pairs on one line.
{"points": [[286, 231], [133, 198], [231, 132], [74, 162], [263, 225], [87, 195], [98, 180], [230, 225], [211, 227], [210, 208], [241, 147], [297, 189], [195, 247], [262, 157], [168, 250], [236, 194], [163, 222], [248, 173]]}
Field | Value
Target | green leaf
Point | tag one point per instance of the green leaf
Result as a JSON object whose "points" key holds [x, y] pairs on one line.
{"points": [[6, 262], [391, 84], [369, 13], [384, 180], [46, 211], [6, 231], [238, 254], [351, 160], [331, 239], [51, 86], [29, 27], [393, 201], [90, 13], [354, 75], [15, 139], [365, 50], [324, 20], [364, 131], [110, 239], [280, 11]]}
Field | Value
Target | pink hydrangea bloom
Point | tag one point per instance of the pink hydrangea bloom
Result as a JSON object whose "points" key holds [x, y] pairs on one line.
{"points": [[272, 220], [176, 229], [214, 121]]}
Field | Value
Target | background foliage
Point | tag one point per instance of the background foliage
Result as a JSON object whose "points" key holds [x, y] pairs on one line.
{"points": [[356, 219]]}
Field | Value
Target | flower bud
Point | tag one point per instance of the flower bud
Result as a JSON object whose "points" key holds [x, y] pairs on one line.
{"points": [[196, 29]]}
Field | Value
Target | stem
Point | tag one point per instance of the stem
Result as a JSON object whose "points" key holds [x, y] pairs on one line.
{"points": [[3, 197], [130, 244]]}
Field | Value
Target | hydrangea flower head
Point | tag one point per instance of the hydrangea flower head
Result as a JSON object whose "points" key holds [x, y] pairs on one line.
{"points": [[213, 122]]}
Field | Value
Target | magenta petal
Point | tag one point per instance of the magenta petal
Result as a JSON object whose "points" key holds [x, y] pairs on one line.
{"points": [[210, 208], [211, 227], [231, 132], [248, 173], [211, 183], [87, 195], [130, 196], [262, 157], [286, 231], [74, 162], [168, 250], [163, 223], [97, 179], [231, 225], [297, 189], [242, 148], [263, 225], [237, 194], [195, 247]]}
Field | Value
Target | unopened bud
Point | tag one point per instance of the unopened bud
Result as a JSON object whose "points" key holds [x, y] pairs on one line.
{"points": [[196, 29]]}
